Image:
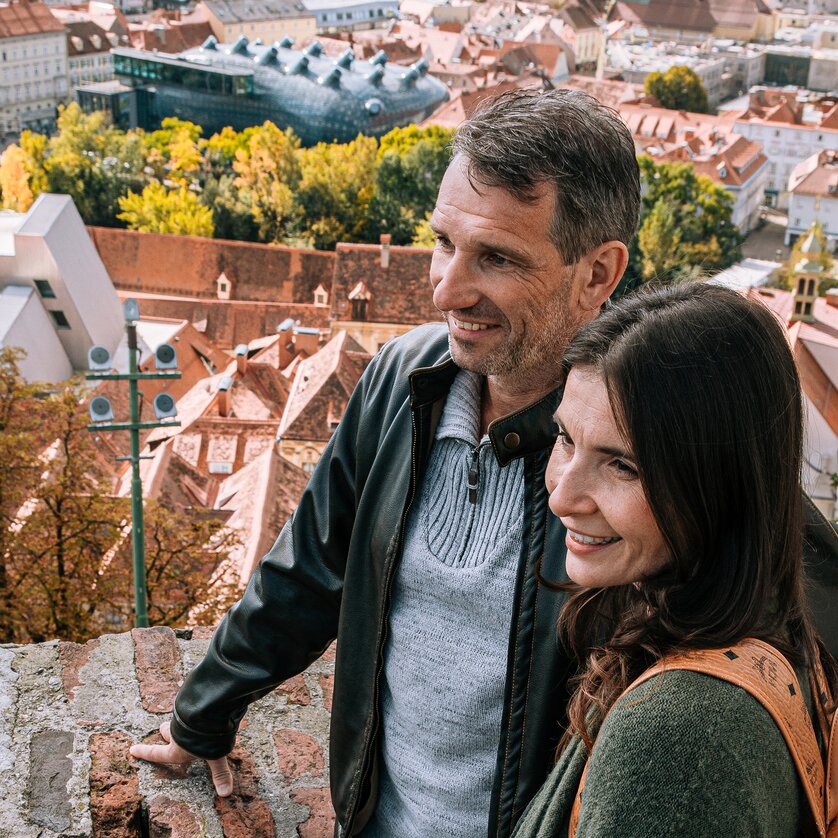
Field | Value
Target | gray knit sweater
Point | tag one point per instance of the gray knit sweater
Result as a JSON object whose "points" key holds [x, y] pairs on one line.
{"points": [[686, 755], [445, 658]]}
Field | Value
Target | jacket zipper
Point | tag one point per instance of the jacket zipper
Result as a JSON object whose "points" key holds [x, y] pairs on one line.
{"points": [[473, 474]]}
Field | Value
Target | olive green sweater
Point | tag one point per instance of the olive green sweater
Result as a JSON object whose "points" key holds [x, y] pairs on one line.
{"points": [[683, 754]]}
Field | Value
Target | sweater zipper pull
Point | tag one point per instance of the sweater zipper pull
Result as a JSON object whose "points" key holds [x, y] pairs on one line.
{"points": [[472, 477]]}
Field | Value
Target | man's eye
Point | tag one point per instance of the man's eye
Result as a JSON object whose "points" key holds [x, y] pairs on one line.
{"points": [[497, 260], [442, 241], [563, 439]]}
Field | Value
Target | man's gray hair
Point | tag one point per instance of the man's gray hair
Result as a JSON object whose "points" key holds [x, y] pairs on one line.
{"points": [[523, 138]]}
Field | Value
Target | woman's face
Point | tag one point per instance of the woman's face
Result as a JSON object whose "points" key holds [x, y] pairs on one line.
{"points": [[612, 538]]}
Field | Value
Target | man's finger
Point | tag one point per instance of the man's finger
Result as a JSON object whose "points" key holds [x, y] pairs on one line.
{"points": [[165, 754], [222, 776]]}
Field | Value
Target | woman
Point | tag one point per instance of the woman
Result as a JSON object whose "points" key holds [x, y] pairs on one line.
{"points": [[677, 475]]}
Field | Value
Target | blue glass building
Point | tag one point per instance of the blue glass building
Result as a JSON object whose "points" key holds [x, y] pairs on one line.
{"points": [[321, 98]]}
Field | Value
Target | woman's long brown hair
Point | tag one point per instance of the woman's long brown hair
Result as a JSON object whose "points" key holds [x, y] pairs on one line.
{"points": [[705, 391]]}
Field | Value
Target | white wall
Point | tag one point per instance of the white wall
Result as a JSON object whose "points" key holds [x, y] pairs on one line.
{"points": [[27, 325]]}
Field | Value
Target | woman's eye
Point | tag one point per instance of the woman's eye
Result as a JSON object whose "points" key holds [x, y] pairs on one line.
{"points": [[624, 468]]}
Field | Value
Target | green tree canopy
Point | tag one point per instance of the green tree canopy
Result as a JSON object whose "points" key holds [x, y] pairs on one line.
{"points": [[685, 226], [336, 187], [160, 210], [679, 89]]}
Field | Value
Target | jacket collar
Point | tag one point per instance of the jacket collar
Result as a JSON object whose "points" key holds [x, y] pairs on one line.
{"points": [[527, 431]]}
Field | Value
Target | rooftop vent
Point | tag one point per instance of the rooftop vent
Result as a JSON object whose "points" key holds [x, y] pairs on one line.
{"points": [[346, 59], [299, 66], [287, 42], [240, 47], [408, 79], [267, 57], [379, 58], [210, 43], [331, 79], [315, 48], [421, 66], [375, 75]]}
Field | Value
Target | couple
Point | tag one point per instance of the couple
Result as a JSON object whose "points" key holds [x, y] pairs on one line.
{"points": [[426, 544]]}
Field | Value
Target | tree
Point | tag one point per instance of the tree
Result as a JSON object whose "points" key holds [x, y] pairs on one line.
{"points": [[691, 205], [65, 558], [232, 214], [336, 186], [268, 173], [159, 210], [679, 89], [411, 163], [14, 180], [659, 239], [94, 163]]}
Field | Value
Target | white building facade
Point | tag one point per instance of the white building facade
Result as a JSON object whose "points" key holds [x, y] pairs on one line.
{"points": [[33, 68]]}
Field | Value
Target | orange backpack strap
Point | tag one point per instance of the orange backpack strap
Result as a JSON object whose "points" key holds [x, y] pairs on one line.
{"points": [[762, 671]]}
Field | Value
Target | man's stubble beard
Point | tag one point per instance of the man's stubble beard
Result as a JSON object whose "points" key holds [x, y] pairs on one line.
{"points": [[535, 360]]}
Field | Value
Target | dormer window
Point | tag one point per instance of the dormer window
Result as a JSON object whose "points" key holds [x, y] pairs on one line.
{"points": [[359, 309], [321, 296]]}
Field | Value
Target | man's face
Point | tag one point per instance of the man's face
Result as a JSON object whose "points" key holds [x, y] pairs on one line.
{"points": [[511, 303]]}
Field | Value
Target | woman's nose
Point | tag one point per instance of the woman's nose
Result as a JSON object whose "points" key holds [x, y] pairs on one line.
{"points": [[569, 488]]}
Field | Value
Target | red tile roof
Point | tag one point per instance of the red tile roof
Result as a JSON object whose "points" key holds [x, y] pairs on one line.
{"points": [[189, 265], [27, 17], [400, 293], [322, 386]]}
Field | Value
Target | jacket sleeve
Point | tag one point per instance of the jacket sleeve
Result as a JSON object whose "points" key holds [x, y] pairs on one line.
{"points": [[289, 612], [688, 754]]}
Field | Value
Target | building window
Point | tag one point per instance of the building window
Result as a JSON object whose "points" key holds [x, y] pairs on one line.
{"points": [[811, 287], [61, 322], [807, 308], [44, 289], [359, 309]]}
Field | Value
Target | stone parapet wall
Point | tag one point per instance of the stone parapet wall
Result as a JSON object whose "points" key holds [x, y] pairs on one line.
{"points": [[69, 712]]}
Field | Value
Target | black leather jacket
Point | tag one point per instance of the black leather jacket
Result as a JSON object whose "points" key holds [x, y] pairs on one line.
{"points": [[330, 573]]}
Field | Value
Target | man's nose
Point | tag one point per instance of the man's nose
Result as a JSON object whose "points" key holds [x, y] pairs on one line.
{"points": [[453, 283]]}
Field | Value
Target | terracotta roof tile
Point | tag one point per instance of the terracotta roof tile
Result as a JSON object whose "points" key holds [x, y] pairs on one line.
{"points": [[322, 386], [27, 17], [400, 293], [166, 264]]}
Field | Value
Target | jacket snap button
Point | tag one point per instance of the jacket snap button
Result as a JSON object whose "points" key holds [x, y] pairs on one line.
{"points": [[512, 440]]}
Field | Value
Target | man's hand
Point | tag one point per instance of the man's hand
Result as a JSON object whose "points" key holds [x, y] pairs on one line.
{"points": [[172, 754]]}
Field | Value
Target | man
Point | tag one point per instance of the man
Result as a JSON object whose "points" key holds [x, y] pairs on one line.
{"points": [[419, 538]]}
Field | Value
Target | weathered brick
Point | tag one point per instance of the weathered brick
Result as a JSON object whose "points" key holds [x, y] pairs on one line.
{"points": [[50, 768], [157, 657], [329, 654], [327, 685], [320, 822], [295, 690], [73, 657], [169, 818], [202, 632], [115, 802], [244, 814], [298, 754]]}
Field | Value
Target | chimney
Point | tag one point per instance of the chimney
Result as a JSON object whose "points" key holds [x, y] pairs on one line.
{"points": [[285, 330], [241, 358], [306, 340], [385, 250], [224, 397]]}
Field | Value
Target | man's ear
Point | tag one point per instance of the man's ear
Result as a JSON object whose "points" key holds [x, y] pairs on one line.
{"points": [[603, 268]]}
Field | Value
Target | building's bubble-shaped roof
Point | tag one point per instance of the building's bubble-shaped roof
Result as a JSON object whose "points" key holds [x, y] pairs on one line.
{"points": [[322, 98]]}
